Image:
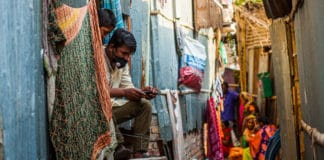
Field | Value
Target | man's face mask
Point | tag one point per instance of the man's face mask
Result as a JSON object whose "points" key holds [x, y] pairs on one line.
{"points": [[120, 62], [120, 58]]}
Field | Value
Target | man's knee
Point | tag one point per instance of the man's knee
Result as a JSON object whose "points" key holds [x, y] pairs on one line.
{"points": [[146, 105]]}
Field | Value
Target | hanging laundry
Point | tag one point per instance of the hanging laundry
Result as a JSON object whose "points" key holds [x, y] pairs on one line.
{"points": [[223, 53], [215, 151], [81, 125]]}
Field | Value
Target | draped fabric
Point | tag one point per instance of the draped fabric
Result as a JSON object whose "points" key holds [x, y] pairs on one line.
{"points": [[245, 145], [241, 117], [215, 151], [70, 20], [81, 126], [260, 142]]}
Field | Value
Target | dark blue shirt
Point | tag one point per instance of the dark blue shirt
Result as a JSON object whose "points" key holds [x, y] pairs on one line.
{"points": [[230, 101]]}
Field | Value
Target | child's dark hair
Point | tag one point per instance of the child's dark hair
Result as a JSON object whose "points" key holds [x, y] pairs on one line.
{"points": [[106, 18], [123, 37], [226, 123], [263, 119]]}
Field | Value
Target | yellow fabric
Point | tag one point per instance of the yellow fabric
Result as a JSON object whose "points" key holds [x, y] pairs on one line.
{"points": [[236, 153], [247, 154], [70, 20]]}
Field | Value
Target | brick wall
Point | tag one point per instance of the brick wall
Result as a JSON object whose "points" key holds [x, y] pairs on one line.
{"points": [[154, 137], [193, 142], [194, 145], [257, 36]]}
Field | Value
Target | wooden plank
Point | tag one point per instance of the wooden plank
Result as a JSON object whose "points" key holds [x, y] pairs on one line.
{"points": [[257, 53], [251, 69], [282, 79]]}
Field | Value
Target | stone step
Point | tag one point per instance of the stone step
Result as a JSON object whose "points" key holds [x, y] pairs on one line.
{"points": [[150, 158]]}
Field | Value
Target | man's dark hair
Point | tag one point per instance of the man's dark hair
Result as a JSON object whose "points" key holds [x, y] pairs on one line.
{"points": [[106, 18], [123, 37]]}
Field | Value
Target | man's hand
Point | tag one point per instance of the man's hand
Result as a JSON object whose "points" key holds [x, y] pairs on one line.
{"points": [[150, 92], [133, 94]]}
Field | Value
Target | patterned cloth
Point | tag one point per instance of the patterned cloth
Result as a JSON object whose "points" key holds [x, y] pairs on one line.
{"points": [[260, 143], [70, 20], [81, 126], [215, 150]]}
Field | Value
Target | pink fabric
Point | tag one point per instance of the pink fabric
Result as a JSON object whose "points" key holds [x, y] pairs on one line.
{"points": [[215, 150], [240, 121], [191, 77]]}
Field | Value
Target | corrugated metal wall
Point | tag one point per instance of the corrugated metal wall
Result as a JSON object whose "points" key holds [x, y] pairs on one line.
{"points": [[309, 32], [280, 44], [153, 26], [22, 96], [140, 27], [164, 62], [75, 3]]}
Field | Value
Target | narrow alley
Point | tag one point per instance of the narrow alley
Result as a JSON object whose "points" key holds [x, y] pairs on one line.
{"points": [[161, 80]]}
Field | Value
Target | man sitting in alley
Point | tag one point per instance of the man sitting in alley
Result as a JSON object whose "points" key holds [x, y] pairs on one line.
{"points": [[128, 101]]}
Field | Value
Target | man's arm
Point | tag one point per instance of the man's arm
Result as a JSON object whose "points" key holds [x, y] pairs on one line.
{"points": [[126, 88], [117, 92], [133, 94]]}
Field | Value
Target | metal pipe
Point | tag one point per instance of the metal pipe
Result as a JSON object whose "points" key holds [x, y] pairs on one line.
{"points": [[184, 92], [316, 136]]}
